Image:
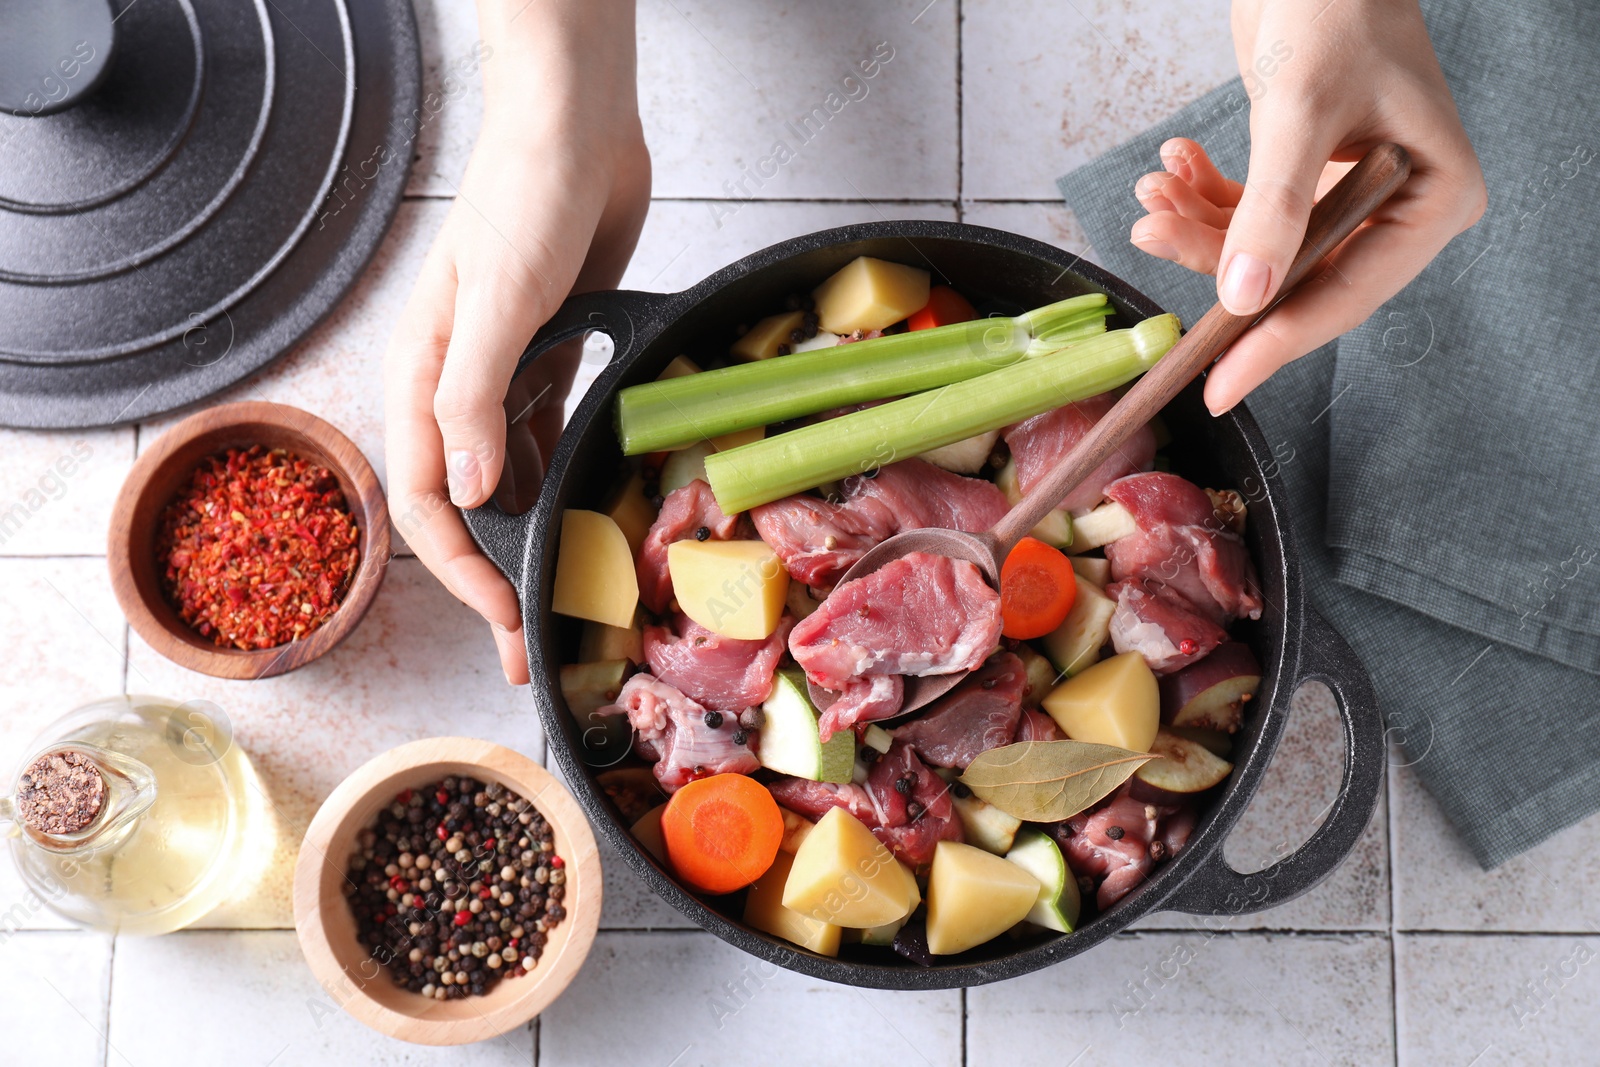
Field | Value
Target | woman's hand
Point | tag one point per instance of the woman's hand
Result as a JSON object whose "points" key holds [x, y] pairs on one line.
{"points": [[1328, 80], [552, 203]]}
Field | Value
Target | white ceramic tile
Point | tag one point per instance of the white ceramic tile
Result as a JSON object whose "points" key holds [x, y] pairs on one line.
{"points": [[336, 373], [1439, 886], [247, 997], [1497, 1001], [683, 241], [56, 489], [1300, 783], [1177, 999], [1052, 223], [688, 998], [453, 58], [55, 985], [1047, 87], [420, 665], [63, 636], [722, 83]]}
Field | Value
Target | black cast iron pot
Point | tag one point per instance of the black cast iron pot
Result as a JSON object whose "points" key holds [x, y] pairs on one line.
{"points": [[1002, 272]]}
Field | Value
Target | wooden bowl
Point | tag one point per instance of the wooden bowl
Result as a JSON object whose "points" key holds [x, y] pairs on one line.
{"points": [[327, 927], [163, 470]]}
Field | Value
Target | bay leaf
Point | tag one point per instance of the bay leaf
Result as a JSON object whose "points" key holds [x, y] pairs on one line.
{"points": [[1047, 781]]}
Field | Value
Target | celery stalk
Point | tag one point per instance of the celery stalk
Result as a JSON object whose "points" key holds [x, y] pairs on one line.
{"points": [[655, 416], [754, 474]]}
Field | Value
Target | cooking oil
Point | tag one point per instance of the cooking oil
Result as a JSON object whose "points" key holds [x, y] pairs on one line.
{"points": [[137, 815]]}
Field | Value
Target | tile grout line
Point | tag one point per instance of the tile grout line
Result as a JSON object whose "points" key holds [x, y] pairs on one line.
{"points": [[788, 200], [961, 216], [127, 652], [1391, 798], [1126, 935], [963, 1026], [111, 973]]}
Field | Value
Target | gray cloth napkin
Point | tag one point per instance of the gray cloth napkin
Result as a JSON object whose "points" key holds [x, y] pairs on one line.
{"points": [[1441, 461]]}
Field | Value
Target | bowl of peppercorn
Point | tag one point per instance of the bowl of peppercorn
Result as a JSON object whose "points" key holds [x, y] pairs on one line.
{"points": [[248, 540], [447, 891]]}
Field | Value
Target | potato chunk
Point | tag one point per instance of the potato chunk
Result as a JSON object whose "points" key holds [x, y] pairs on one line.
{"points": [[869, 294], [843, 875], [595, 577], [734, 588], [631, 511], [647, 831], [974, 896], [1115, 702], [761, 341], [764, 909]]}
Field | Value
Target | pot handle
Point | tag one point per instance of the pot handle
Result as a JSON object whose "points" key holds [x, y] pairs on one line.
{"points": [[1218, 889], [623, 315]]}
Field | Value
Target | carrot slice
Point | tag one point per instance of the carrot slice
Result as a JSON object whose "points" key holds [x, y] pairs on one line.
{"points": [[1037, 589], [722, 832], [944, 306]]}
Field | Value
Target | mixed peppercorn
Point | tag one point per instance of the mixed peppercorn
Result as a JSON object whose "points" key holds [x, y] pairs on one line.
{"points": [[258, 549], [457, 886]]}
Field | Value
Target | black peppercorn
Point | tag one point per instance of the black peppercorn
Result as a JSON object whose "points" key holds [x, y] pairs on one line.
{"points": [[739, 737], [703, 533], [714, 719], [1114, 832], [960, 789], [903, 785]]}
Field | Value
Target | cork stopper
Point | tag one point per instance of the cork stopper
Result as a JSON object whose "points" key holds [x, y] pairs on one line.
{"points": [[61, 793]]}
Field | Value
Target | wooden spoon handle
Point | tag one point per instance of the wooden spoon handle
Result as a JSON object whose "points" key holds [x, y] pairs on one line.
{"points": [[1335, 217]]}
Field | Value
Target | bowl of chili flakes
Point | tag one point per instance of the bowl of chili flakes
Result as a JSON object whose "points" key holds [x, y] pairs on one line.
{"points": [[248, 540]]}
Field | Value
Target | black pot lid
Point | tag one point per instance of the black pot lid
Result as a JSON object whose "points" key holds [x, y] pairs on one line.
{"points": [[186, 188]]}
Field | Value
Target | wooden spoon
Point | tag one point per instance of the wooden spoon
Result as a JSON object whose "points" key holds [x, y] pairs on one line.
{"points": [[1357, 195]]}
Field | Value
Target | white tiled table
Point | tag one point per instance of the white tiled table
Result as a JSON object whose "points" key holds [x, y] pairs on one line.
{"points": [[1409, 953]]}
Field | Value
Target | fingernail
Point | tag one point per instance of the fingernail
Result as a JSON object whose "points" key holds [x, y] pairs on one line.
{"points": [[1178, 164], [1217, 413], [463, 476], [1244, 285], [1147, 186], [1156, 247]]}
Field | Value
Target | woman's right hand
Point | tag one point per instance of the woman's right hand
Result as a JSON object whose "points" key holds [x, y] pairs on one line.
{"points": [[552, 202]]}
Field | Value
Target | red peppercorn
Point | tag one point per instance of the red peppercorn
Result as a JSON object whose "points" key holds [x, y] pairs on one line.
{"points": [[442, 797], [485, 893], [404, 797], [398, 883], [463, 917], [557, 862], [1187, 647], [442, 833], [488, 842]]}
